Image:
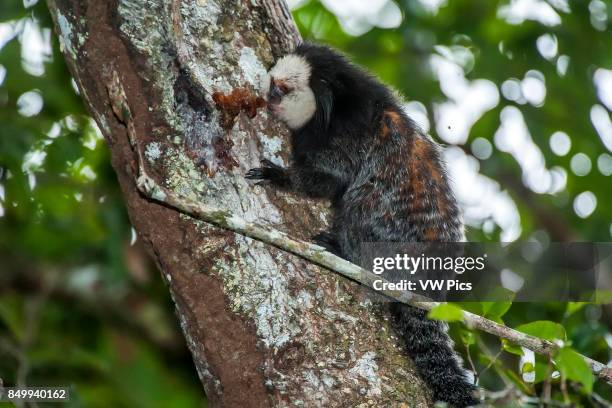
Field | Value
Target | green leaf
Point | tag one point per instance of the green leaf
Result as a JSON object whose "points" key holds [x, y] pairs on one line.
{"points": [[11, 314], [527, 368], [573, 366], [446, 312], [573, 307], [603, 297], [512, 348], [495, 310], [467, 337], [543, 329], [472, 307]]}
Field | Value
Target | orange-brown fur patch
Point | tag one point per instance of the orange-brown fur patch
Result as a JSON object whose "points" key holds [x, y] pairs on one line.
{"points": [[425, 180], [434, 171], [395, 117], [432, 234], [417, 157], [391, 121], [420, 148]]}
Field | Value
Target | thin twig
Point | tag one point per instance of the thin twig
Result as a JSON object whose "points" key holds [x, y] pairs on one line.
{"points": [[595, 397], [471, 362], [600, 400], [493, 361], [566, 397], [546, 403], [547, 388], [33, 310]]}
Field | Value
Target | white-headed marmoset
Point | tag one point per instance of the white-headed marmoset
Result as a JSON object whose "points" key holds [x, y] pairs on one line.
{"points": [[353, 143]]}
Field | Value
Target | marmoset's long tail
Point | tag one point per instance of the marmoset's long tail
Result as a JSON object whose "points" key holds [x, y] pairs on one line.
{"points": [[431, 349]]}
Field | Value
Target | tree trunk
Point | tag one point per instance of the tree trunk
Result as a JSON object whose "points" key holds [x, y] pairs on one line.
{"points": [[265, 328]]}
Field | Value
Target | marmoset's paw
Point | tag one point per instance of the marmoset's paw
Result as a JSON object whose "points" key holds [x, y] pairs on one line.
{"points": [[269, 172]]}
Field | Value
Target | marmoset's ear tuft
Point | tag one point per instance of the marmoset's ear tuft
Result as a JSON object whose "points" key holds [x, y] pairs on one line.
{"points": [[325, 103]]}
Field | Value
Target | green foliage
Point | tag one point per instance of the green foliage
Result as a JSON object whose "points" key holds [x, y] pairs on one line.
{"points": [[543, 329], [447, 312], [573, 367], [511, 348], [495, 310]]}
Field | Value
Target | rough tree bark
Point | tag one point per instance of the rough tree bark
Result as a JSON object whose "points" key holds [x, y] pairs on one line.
{"points": [[265, 328]]}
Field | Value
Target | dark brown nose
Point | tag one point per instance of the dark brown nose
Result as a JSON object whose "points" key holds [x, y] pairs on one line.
{"points": [[275, 94]]}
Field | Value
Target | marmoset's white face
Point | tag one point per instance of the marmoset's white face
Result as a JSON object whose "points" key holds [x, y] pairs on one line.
{"points": [[290, 97]]}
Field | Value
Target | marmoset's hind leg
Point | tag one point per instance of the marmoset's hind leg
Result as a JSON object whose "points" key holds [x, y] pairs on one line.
{"points": [[329, 241]]}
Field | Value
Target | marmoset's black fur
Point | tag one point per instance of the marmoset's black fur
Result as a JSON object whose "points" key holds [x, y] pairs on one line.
{"points": [[386, 180]]}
